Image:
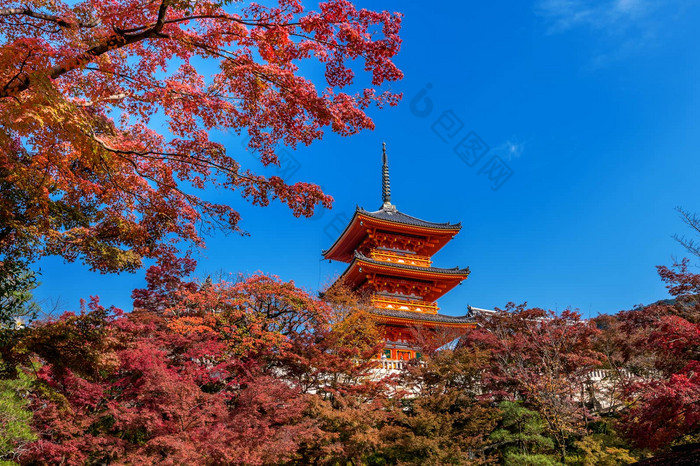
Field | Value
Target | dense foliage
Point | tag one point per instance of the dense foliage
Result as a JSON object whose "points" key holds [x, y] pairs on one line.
{"points": [[257, 371]]}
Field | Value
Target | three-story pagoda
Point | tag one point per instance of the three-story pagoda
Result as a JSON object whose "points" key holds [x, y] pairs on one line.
{"points": [[390, 256]]}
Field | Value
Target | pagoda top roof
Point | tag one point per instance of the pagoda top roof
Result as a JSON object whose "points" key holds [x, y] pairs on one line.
{"points": [[390, 213], [389, 218], [423, 317]]}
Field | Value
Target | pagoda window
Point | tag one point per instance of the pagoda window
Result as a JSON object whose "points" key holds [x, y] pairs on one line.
{"points": [[401, 241], [400, 256], [403, 280], [402, 296], [395, 250], [405, 235]]}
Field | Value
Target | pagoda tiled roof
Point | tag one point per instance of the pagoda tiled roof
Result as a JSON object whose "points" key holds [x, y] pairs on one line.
{"points": [[391, 214], [354, 233], [453, 271], [424, 317]]}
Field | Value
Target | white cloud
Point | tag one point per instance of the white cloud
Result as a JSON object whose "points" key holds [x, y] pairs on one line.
{"points": [[511, 149], [617, 29], [614, 16]]}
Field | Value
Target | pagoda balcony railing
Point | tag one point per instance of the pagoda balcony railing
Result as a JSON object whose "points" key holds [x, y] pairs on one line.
{"points": [[392, 364], [395, 364], [412, 305], [403, 259]]}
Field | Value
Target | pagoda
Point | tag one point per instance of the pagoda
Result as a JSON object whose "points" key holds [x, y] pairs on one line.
{"points": [[390, 259]]}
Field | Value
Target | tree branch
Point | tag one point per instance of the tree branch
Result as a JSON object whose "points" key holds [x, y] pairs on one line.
{"points": [[115, 41], [26, 11]]}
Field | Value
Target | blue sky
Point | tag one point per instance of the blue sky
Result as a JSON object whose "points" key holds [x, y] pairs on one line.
{"points": [[591, 106]]}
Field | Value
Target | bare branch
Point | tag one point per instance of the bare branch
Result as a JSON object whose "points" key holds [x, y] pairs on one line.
{"points": [[693, 221]]}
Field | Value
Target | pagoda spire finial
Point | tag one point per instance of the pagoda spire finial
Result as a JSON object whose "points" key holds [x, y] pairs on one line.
{"points": [[386, 188]]}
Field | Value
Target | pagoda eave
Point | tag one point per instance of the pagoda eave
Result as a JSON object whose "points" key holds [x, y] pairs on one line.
{"points": [[363, 225], [430, 282], [418, 320]]}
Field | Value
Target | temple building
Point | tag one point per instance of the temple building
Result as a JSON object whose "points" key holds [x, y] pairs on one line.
{"points": [[390, 259]]}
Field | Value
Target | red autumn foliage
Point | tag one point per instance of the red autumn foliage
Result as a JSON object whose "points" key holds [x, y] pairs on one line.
{"points": [[257, 371], [137, 388], [665, 404], [665, 410], [84, 85], [543, 358]]}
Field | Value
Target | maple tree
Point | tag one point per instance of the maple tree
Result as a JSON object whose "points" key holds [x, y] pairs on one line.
{"points": [[442, 417], [107, 110], [544, 359], [665, 402], [186, 382], [337, 363], [604, 450], [253, 371], [152, 394]]}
